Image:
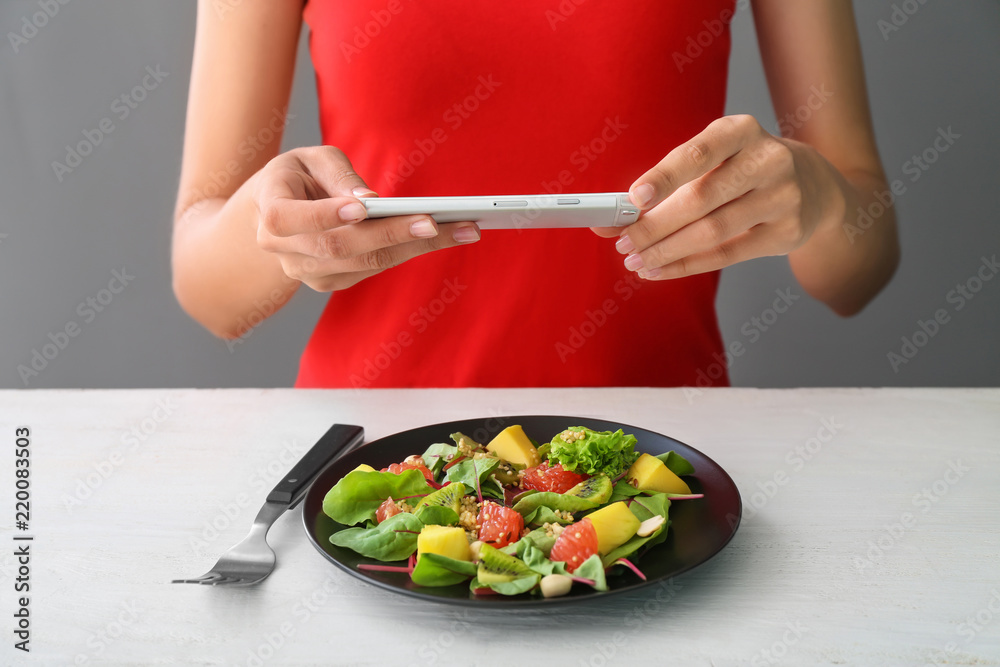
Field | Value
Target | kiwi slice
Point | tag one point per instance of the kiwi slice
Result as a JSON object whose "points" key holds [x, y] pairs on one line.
{"points": [[595, 489], [496, 567], [448, 496]]}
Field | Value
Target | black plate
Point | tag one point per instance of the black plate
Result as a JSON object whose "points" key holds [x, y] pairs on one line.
{"points": [[699, 528]]}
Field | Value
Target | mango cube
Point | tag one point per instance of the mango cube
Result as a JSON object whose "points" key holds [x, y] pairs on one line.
{"points": [[649, 473], [448, 541], [513, 446], [614, 525]]}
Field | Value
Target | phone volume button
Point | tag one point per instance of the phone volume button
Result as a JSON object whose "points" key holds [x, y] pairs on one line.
{"points": [[566, 202]]}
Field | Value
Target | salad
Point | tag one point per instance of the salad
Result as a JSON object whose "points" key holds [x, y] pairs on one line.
{"points": [[513, 516]]}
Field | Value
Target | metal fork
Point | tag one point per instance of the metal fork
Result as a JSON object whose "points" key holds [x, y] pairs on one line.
{"points": [[250, 561]]}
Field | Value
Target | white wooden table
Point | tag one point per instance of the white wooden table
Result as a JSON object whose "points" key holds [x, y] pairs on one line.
{"points": [[871, 533]]}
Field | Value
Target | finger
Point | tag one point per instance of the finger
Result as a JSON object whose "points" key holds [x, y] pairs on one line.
{"points": [[305, 267], [346, 241], [692, 201], [709, 231], [332, 171], [285, 209], [311, 189], [721, 140], [753, 243], [451, 235]]}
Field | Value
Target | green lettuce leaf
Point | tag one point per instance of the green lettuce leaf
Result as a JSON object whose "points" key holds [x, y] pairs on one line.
{"points": [[598, 451], [676, 463], [358, 494], [438, 570], [393, 539]]}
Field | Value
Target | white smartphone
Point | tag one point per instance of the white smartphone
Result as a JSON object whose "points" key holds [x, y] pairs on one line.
{"points": [[602, 209]]}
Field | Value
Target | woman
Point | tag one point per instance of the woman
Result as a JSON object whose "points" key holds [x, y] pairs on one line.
{"points": [[458, 98]]}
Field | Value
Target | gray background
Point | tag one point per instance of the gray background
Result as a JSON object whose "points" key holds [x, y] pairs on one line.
{"points": [[60, 242]]}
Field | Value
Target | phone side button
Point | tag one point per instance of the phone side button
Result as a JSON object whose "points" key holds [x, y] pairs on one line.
{"points": [[566, 202], [512, 203]]}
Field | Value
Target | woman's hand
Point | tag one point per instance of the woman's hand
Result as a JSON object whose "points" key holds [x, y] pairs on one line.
{"points": [[732, 193], [311, 219]]}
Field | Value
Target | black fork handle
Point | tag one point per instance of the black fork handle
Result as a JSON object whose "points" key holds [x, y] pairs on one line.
{"points": [[340, 439]]}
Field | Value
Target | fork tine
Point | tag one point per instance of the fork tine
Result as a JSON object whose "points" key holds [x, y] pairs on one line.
{"points": [[221, 581], [206, 578]]}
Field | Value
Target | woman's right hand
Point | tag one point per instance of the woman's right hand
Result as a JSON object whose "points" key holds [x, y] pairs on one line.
{"points": [[309, 215]]}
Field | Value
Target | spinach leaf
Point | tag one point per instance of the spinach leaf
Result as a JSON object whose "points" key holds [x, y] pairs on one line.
{"points": [[393, 539], [539, 540], [622, 491], [459, 437], [643, 507], [515, 587], [436, 515], [536, 559], [358, 494], [466, 471], [491, 489], [437, 456], [593, 569], [677, 463], [544, 514], [646, 507], [438, 570], [536, 538], [556, 501]]}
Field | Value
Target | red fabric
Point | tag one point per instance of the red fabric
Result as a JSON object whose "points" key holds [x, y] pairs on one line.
{"points": [[518, 97]]}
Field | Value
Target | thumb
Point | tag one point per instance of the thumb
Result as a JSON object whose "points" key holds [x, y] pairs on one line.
{"points": [[608, 232], [334, 172]]}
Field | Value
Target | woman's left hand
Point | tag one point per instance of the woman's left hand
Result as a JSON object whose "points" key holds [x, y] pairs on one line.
{"points": [[732, 193]]}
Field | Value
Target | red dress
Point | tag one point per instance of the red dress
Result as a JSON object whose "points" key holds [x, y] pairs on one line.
{"points": [[453, 97]]}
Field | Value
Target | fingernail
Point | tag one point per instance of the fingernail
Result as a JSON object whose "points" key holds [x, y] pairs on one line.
{"points": [[647, 274], [363, 192], [633, 262], [352, 212], [423, 229], [624, 244], [466, 235], [642, 195]]}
